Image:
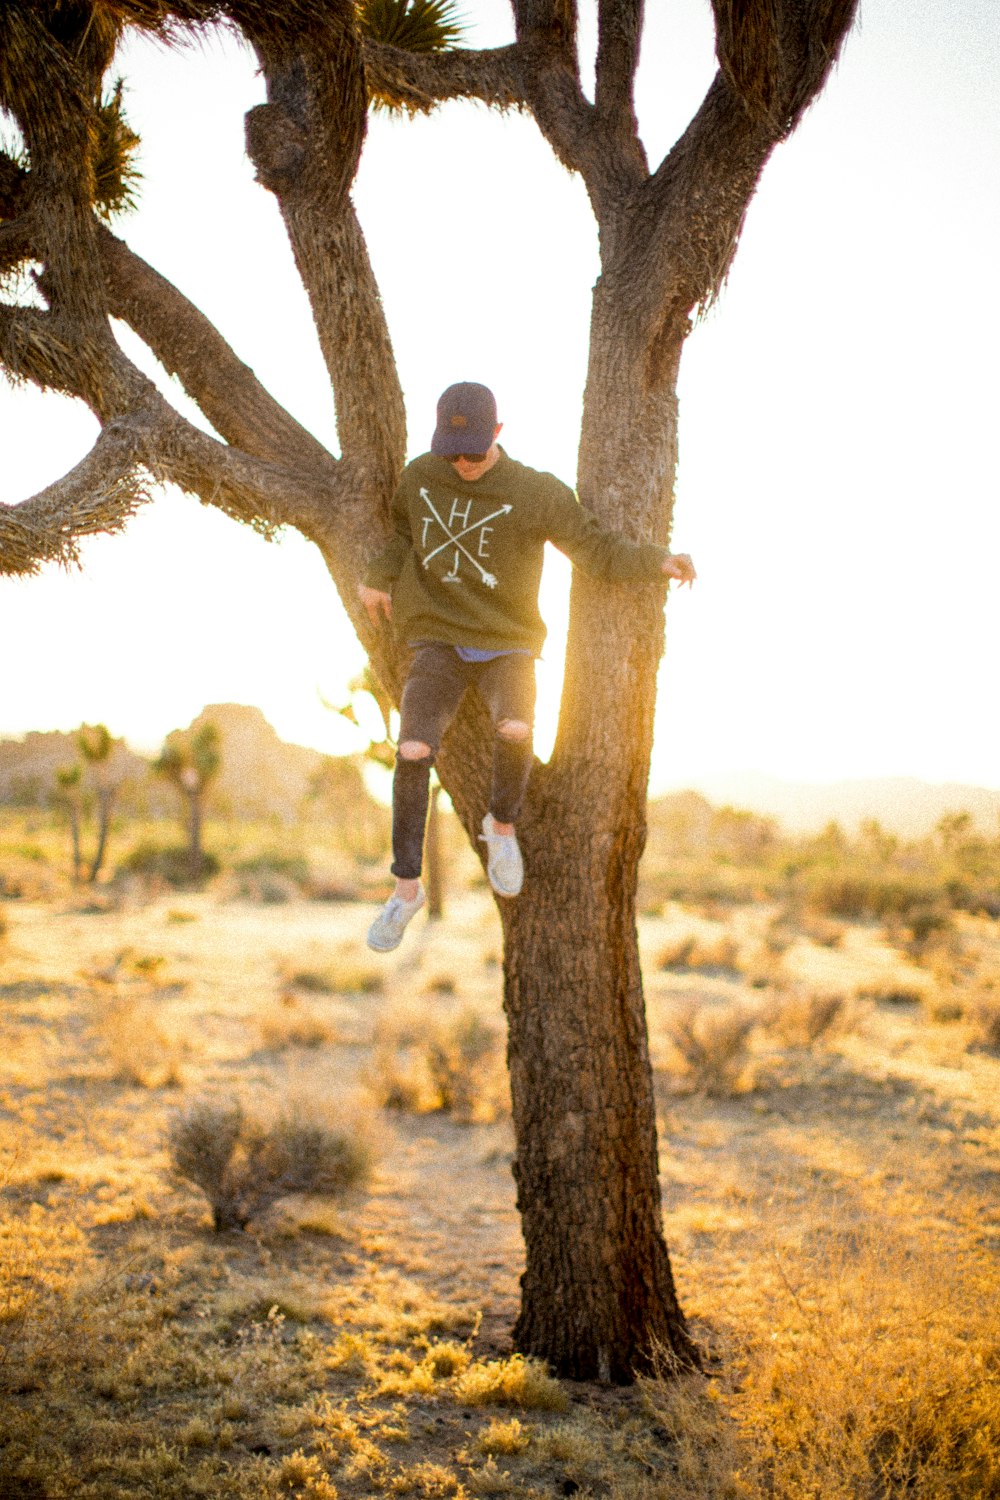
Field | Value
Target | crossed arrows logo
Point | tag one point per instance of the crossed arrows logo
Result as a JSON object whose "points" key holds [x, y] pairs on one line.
{"points": [[454, 539]]}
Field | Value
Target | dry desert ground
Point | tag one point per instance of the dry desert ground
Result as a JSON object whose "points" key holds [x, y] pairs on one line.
{"points": [[830, 1159]]}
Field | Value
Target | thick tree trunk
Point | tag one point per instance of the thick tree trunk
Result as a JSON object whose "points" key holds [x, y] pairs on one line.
{"points": [[196, 858], [105, 802], [598, 1295], [74, 830]]}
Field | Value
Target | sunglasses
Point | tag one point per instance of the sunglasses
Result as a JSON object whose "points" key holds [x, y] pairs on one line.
{"points": [[467, 458]]}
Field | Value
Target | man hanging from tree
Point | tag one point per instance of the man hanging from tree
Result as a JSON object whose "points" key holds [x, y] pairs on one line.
{"points": [[460, 581]]}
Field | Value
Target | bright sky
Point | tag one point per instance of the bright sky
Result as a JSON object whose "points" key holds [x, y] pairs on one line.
{"points": [[837, 487]]}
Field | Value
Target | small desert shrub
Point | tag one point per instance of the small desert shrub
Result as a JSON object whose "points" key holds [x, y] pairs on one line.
{"points": [[984, 1013], [441, 984], [518, 1381], [243, 1165], [701, 1433], [690, 954], [454, 1067], [139, 1052], [503, 1437], [860, 897], [4, 924], [313, 981], [945, 1004], [929, 928], [460, 1058], [346, 974], [803, 1020], [270, 878], [892, 992], [712, 1047], [289, 1024], [293, 867], [171, 863]]}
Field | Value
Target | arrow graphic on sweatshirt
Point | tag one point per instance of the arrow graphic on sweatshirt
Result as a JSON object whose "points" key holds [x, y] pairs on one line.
{"points": [[456, 540]]}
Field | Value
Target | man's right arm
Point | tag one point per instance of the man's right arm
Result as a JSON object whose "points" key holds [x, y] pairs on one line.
{"points": [[386, 566]]}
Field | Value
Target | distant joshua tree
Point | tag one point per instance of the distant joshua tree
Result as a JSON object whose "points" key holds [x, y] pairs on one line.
{"points": [[69, 794], [96, 745], [81, 784], [191, 760]]}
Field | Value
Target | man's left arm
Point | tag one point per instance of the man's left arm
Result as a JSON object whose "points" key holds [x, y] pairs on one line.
{"points": [[604, 553]]}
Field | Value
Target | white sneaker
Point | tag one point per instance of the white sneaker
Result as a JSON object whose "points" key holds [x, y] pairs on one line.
{"points": [[504, 864], [386, 932]]}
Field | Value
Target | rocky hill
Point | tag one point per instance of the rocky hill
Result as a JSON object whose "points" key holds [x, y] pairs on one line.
{"points": [[261, 776]]}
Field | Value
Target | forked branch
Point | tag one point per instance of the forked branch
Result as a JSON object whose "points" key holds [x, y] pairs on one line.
{"points": [[190, 347]]}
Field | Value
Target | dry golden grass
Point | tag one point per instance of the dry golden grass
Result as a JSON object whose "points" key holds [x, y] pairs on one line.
{"points": [[834, 1235], [520, 1382], [804, 1019], [879, 1376], [692, 954], [139, 1051], [288, 1023]]}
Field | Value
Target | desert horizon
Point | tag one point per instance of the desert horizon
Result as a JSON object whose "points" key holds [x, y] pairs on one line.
{"points": [[908, 805]]}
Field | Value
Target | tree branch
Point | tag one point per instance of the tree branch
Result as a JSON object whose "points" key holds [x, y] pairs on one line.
{"points": [[190, 347], [13, 181], [34, 346], [99, 495], [316, 108], [776, 54], [553, 22], [694, 206], [748, 46], [421, 80], [619, 30]]}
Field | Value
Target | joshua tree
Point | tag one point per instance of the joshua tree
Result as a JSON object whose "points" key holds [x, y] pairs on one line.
{"points": [[598, 1289], [192, 761], [96, 745], [69, 794], [75, 785]]}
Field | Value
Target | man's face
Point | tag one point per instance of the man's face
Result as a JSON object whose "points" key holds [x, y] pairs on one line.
{"points": [[472, 466]]}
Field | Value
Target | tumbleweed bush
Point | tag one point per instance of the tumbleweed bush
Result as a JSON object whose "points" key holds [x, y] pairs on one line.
{"points": [[244, 1165], [712, 1047]]}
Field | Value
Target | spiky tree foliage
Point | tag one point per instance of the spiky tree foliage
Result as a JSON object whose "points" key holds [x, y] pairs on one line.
{"points": [[597, 1293]]}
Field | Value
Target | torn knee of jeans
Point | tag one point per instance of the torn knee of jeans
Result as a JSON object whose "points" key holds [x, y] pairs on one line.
{"points": [[514, 730], [414, 752]]}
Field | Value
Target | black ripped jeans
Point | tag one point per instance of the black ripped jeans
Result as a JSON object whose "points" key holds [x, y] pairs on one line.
{"points": [[435, 686]]}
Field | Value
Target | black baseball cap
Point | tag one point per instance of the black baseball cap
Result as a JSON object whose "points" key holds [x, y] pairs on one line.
{"points": [[466, 420]]}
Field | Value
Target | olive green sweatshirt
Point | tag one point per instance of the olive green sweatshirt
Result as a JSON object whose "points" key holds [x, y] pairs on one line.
{"points": [[465, 561]]}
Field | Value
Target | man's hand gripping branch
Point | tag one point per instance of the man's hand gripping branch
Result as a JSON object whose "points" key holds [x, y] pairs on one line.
{"points": [[376, 602]]}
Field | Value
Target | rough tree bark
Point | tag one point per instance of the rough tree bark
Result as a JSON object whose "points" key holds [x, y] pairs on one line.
{"points": [[598, 1294]]}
